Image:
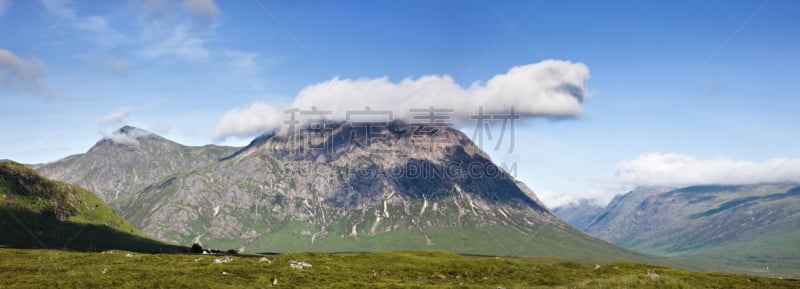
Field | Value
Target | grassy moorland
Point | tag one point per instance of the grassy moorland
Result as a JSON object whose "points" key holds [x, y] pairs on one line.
{"points": [[26, 268]]}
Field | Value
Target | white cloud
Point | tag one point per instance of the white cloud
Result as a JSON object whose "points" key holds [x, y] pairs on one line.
{"points": [[554, 200], [180, 42], [599, 192], [127, 137], [659, 169], [670, 170], [256, 118], [550, 88], [112, 121], [203, 10], [21, 74], [572, 201]]}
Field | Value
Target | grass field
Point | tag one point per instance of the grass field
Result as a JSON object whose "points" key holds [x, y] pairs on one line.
{"points": [[26, 268], [773, 255]]}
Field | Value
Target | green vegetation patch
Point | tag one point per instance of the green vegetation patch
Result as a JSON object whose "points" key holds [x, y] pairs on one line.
{"points": [[404, 269]]}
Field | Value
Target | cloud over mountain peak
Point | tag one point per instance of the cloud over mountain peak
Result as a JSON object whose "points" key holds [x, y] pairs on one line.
{"points": [[551, 88]]}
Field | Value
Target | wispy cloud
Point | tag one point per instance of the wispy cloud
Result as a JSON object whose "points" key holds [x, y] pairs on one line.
{"points": [[22, 74], [243, 63], [171, 28], [179, 29], [180, 42], [115, 117], [100, 31], [94, 28], [550, 88]]}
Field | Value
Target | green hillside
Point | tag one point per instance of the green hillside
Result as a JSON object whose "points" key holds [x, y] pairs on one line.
{"points": [[39, 213], [774, 254]]}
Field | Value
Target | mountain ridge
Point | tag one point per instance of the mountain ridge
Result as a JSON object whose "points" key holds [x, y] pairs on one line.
{"points": [[739, 228], [127, 160]]}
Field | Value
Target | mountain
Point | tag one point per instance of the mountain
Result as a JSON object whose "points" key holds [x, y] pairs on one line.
{"points": [[617, 221], [581, 214], [39, 213], [356, 188], [744, 228], [128, 160]]}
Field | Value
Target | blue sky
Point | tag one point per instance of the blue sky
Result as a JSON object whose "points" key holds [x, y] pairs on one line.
{"points": [[682, 92]]}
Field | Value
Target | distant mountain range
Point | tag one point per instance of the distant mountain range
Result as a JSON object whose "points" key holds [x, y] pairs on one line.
{"points": [[345, 188], [744, 228], [39, 213]]}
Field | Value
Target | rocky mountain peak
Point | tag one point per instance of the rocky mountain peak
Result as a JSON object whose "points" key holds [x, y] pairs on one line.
{"points": [[392, 140], [130, 136], [126, 129]]}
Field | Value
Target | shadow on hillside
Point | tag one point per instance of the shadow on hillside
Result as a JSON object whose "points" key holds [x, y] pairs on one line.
{"points": [[43, 232]]}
